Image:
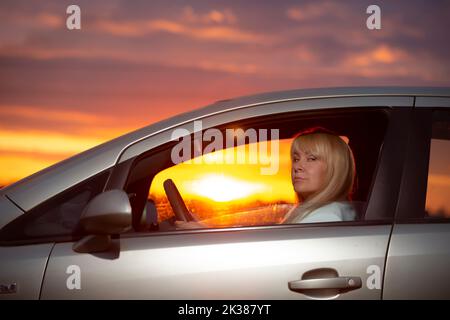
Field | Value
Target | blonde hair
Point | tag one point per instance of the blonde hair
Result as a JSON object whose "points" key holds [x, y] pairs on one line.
{"points": [[340, 170]]}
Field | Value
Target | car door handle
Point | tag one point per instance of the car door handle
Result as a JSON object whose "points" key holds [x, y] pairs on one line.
{"points": [[340, 283]]}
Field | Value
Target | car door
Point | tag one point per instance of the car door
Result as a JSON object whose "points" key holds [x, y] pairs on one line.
{"points": [[343, 260], [419, 255]]}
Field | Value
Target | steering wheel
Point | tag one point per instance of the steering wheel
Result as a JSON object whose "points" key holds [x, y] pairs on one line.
{"points": [[176, 202]]}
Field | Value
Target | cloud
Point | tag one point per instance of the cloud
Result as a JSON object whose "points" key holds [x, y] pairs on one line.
{"points": [[39, 20], [36, 113], [382, 54], [214, 25], [224, 43], [228, 34], [45, 142], [50, 20], [41, 119], [209, 33], [17, 165], [228, 67], [213, 16], [316, 10]]}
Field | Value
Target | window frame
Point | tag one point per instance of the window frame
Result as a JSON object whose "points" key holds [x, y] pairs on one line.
{"points": [[413, 193], [390, 151]]}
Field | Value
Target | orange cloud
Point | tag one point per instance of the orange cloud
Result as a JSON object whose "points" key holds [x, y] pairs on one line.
{"points": [[216, 33], [50, 20], [125, 29], [15, 166], [382, 54], [23, 153], [315, 10], [105, 126], [45, 142], [213, 16], [37, 113], [42, 53], [27, 151], [385, 55], [167, 26], [228, 67]]}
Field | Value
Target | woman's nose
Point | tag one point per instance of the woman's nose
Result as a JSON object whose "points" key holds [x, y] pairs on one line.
{"points": [[299, 166]]}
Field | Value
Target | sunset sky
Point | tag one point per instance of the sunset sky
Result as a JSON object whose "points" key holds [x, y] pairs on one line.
{"points": [[137, 62], [222, 182]]}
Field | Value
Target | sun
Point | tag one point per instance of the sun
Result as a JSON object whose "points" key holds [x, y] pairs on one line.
{"points": [[221, 188]]}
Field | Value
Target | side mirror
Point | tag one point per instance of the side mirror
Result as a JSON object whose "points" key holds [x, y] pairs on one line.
{"points": [[107, 214]]}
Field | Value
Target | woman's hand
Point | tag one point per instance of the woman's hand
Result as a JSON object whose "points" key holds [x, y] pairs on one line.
{"points": [[189, 225]]}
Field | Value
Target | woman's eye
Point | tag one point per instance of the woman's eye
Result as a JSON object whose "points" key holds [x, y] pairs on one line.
{"points": [[311, 158]]}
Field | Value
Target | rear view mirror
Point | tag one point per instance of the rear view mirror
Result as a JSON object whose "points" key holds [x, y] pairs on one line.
{"points": [[107, 214]]}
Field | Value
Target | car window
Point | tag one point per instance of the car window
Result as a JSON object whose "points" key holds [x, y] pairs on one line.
{"points": [[231, 194], [438, 186], [234, 194], [57, 218]]}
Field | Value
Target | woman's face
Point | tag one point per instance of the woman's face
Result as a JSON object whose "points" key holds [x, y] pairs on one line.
{"points": [[308, 173]]}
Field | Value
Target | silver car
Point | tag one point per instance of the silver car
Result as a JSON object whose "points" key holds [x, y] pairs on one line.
{"points": [[100, 225]]}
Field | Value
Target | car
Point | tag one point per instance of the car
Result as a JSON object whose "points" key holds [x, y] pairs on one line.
{"points": [[101, 225]]}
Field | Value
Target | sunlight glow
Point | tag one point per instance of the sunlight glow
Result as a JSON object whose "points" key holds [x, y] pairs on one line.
{"points": [[221, 188]]}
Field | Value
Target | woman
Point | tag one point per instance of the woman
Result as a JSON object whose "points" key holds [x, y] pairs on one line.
{"points": [[322, 172]]}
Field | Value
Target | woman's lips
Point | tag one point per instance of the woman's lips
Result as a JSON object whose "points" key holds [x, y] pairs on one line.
{"points": [[299, 179]]}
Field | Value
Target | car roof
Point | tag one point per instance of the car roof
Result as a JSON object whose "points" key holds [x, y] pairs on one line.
{"points": [[33, 190]]}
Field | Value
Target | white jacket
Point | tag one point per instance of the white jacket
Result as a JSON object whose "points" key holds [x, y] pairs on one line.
{"points": [[334, 211]]}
